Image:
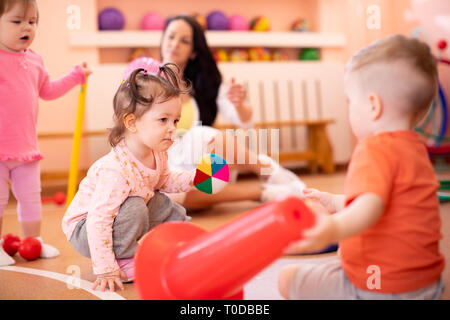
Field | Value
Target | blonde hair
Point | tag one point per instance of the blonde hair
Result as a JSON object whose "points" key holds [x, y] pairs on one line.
{"points": [[416, 54], [139, 92]]}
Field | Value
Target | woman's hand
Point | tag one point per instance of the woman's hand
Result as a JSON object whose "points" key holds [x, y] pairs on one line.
{"points": [[110, 279], [236, 93]]}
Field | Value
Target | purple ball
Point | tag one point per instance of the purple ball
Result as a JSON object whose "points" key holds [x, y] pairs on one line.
{"points": [[217, 20], [111, 19], [239, 23]]}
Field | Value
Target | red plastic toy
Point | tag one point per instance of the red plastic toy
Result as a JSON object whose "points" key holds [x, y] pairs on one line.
{"points": [[179, 260], [11, 243], [30, 248], [58, 198]]}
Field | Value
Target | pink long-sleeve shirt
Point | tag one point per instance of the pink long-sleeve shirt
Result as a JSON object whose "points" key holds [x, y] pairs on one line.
{"points": [[23, 79], [109, 182]]}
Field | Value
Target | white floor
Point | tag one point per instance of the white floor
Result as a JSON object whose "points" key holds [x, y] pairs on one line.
{"points": [[264, 285]]}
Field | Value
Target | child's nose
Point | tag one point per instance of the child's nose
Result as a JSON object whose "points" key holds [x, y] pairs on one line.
{"points": [[27, 26]]}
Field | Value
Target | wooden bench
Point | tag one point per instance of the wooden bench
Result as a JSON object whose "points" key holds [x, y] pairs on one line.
{"points": [[303, 100], [318, 153]]}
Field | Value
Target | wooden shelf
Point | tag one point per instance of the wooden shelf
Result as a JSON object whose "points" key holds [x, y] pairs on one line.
{"points": [[139, 39]]}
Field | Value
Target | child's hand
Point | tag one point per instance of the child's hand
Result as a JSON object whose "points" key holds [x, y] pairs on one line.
{"points": [[324, 198], [110, 279], [85, 69], [236, 93], [320, 236]]}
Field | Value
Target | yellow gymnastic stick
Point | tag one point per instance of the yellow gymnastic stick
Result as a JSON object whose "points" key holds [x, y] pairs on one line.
{"points": [[76, 144]]}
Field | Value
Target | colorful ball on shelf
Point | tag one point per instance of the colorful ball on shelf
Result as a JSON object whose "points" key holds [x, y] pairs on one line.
{"points": [[300, 25], [309, 54], [238, 23], [200, 19], [260, 23], [238, 55], [217, 20], [259, 54], [138, 53], [279, 55], [153, 21], [111, 19], [220, 55], [212, 174]]}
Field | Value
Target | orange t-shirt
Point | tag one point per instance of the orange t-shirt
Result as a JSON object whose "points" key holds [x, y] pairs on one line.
{"points": [[404, 243]]}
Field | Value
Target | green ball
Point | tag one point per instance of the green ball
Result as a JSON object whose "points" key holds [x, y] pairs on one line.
{"points": [[309, 54]]}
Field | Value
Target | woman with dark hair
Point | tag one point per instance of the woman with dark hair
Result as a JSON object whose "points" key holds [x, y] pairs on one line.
{"points": [[184, 44]]}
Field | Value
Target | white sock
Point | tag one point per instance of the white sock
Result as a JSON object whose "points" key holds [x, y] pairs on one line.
{"points": [[278, 174], [5, 259], [266, 160], [275, 191], [48, 251]]}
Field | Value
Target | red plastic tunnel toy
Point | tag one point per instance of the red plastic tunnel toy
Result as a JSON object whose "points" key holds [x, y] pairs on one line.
{"points": [[179, 260]]}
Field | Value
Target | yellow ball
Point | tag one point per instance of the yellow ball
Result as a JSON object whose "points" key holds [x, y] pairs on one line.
{"points": [[238, 55], [259, 54], [221, 55], [260, 23]]}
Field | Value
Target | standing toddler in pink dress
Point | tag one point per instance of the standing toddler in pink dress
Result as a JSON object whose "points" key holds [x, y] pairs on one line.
{"points": [[23, 79], [119, 200]]}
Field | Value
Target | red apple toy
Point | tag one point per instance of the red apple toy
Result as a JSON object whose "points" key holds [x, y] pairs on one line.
{"points": [[30, 248], [11, 243]]}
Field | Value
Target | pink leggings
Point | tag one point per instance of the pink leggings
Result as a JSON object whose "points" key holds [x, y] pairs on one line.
{"points": [[26, 187]]}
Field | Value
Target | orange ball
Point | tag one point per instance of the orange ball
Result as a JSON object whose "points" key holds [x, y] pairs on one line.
{"points": [[200, 19]]}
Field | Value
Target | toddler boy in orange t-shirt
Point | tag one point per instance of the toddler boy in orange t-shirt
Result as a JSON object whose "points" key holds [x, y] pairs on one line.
{"points": [[387, 223]]}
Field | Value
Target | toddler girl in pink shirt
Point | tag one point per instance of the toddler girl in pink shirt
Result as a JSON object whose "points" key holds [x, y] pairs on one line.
{"points": [[23, 79], [119, 200]]}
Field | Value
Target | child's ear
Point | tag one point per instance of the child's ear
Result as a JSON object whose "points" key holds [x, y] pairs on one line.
{"points": [[130, 122], [376, 106], [419, 116]]}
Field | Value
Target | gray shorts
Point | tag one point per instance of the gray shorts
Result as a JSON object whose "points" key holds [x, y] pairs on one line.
{"points": [[328, 281], [134, 220]]}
